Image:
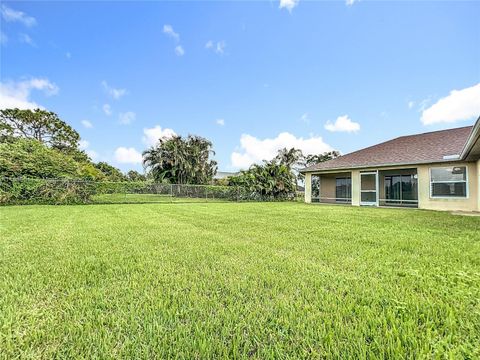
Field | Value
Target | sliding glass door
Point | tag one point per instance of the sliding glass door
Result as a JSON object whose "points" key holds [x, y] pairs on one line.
{"points": [[401, 190], [343, 189]]}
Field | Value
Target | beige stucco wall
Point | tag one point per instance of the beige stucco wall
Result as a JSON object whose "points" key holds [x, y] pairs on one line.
{"points": [[471, 203], [464, 204], [308, 188], [355, 187]]}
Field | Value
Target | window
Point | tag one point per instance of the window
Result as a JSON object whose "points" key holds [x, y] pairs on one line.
{"points": [[448, 182], [343, 189]]}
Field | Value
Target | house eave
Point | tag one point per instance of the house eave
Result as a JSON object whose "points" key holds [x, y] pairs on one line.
{"points": [[375, 166], [472, 141]]}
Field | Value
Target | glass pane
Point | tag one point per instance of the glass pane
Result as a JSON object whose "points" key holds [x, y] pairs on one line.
{"points": [[368, 182], [340, 188], [369, 197], [457, 173], [393, 188], [387, 180], [396, 187], [449, 189], [343, 189], [315, 186], [409, 187]]}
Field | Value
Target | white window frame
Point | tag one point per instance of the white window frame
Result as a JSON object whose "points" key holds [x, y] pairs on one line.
{"points": [[450, 181]]}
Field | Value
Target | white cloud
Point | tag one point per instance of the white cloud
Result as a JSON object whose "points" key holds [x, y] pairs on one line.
{"points": [[411, 104], [168, 29], [350, 2], [305, 118], [151, 135], [220, 122], [24, 38], [127, 118], [342, 124], [113, 92], [125, 155], [422, 105], [83, 144], [107, 109], [254, 150], [218, 47], [3, 38], [288, 4], [459, 105], [11, 15], [87, 124], [17, 94], [179, 50]]}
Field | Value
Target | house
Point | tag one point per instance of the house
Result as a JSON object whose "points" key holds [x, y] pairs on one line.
{"points": [[437, 170], [224, 174]]}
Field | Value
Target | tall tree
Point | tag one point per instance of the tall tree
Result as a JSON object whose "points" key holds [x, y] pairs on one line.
{"points": [[111, 173], [318, 158], [292, 158], [133, 175], [31, 158], [278, 178], [268, 180], [179, 160], [40, 125]]}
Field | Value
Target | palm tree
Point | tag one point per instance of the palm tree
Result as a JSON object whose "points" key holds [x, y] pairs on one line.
{"points": [[289, 157], [181, 161]]}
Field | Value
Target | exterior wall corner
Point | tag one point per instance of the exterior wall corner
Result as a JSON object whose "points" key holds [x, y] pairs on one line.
{"points": [[478, 185], [355, 187], [308, 188]]}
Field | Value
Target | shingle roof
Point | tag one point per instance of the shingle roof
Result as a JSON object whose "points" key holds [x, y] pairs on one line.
{"points": [[413, 149]]}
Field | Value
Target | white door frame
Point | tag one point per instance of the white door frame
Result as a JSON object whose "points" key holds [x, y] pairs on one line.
{"points": [[370, 203]]}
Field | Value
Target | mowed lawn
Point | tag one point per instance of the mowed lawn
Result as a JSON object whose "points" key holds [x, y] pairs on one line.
{"points": [[237, 280]]}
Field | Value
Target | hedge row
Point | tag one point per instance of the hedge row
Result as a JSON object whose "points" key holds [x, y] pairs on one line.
{"points": [[40, 191]]}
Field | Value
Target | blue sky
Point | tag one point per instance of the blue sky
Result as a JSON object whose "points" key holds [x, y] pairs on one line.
{"points": [[250, 76]]}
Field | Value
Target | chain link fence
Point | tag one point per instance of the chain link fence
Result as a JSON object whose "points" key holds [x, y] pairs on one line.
{"points": [[20, 191]]}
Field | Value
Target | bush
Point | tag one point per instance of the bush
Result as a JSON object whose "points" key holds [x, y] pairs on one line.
{"points": [[18, 191], [40, 191], [31, 158]]}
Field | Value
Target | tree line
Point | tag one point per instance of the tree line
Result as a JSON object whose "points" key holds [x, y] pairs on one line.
{"points": [[39, 144]]}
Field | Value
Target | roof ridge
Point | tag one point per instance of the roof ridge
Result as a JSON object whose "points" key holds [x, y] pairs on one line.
{"points": [[406, 136], [435, 131]]}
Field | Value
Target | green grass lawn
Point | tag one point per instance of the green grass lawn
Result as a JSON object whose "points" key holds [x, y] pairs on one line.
{"points": [[261, 280]]}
